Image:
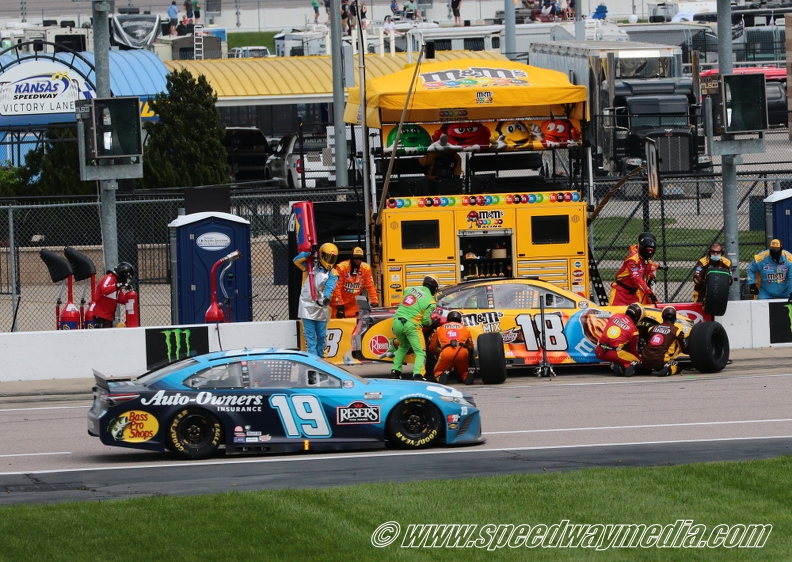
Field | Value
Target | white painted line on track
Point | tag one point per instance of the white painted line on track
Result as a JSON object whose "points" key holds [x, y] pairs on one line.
{"points": [[691, 424], [328, 457], [700, 377], [34, 454], [46, 408]]}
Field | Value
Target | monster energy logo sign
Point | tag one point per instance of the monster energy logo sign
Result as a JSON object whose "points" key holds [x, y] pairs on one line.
{"points": [[166, 345], [176, 344]]}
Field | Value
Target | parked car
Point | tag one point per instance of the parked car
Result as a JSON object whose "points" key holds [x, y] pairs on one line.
{"points": [[286, 166], [504, 317], [248, 53], [274, 401], [248, 150]]}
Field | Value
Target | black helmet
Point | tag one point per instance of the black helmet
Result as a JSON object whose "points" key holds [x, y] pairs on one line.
{"points": [[454, 316], [430, 283], [635, 311], [646, 247], [125, 272], [646, 236], [669, 314]]}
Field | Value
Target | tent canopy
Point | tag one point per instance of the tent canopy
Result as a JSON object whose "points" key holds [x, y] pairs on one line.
{"points": [[468, 89]]}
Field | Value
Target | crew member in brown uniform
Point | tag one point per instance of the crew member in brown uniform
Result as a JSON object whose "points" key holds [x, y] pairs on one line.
{"points": [[665, 343]]}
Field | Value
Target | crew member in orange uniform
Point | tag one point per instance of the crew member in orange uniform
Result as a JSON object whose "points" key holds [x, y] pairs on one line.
{"points": [[635, 275], [451, 344], [618, 343], [354, 275]]}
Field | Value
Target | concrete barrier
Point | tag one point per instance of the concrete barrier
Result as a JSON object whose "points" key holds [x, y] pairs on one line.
{"points": [[122, 351], [117, 352]]}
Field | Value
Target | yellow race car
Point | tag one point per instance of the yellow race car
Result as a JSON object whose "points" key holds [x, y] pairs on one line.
{"points": [[527, 322]]}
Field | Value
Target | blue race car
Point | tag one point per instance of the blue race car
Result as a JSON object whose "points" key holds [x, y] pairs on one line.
{"points": [[274, 401]]}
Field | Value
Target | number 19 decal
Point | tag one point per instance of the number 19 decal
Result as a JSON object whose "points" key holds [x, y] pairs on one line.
{"points": [[301, 414], [554, 331]]}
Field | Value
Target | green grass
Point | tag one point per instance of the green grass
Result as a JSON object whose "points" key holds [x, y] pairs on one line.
{"points": [[253, 39], [337, 523], [683, 244]]}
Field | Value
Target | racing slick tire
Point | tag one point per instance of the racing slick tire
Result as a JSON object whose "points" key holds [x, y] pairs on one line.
{"points": [[414, 423], [492, 359], [194, 434], [717, 295], [708, 347]]}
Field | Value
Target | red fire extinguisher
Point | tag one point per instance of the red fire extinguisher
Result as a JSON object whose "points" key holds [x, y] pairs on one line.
{"points": [[70, 315], [132, 308], [215, 311]]}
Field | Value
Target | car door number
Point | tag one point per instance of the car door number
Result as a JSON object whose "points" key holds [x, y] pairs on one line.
{"points": [[302, 415], [530, 324], [332, 339]]}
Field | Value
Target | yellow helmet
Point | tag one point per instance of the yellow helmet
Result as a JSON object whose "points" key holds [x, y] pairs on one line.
{"points": [[358, 253], [328, 255]]}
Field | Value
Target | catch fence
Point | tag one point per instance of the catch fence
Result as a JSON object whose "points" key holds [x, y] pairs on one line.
{"points": [[684, 226]]}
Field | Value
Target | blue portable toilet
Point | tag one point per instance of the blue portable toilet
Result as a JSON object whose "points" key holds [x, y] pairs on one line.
{"points": [[197, 242], [778, 216]]}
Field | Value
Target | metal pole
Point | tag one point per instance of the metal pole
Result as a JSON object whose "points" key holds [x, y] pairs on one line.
{"points": [[336, 37], [101, 12], [13, 266], [368, 196], [728, 166], [509, 21]]}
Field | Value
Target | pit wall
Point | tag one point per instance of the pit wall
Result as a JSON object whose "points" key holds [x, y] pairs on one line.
{"points": [[122, 351], [117, 352]]}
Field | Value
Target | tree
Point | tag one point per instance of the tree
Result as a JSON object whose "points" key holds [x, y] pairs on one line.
{"points": [[185, 147], [53, 168], [10, 181]]}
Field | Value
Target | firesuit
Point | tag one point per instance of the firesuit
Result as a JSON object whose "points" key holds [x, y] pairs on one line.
{"points": [[108, 293], [635, 275], [619, 341], [312, 311], [714, 260], [354, 275], [451, 343], [414, 312], [770, 271], [665, 343]]}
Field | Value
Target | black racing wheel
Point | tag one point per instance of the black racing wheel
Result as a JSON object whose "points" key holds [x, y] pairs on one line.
{"points": [[414, 423], [194, 434]]}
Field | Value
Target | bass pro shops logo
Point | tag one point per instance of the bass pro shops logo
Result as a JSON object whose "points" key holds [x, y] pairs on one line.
{"points": [[173, 343]]}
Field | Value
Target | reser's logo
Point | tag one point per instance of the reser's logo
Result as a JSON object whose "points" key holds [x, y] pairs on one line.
{"points": [[174, 347]]}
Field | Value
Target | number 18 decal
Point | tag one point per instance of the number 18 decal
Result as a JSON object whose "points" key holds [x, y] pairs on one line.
{"points": [[301, 414], [554, 331]]}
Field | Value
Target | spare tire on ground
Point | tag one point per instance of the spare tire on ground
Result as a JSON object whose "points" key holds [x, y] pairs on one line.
{"points": [[491, 358], [716, 296], [708, 347]]}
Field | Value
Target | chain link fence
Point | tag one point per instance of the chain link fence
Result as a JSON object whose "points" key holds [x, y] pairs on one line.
{"points": [[684, 225]]}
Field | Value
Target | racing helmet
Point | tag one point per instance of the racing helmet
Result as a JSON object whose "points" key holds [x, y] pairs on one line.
{"points": [[430, 283], [358, 253], [454, 316], [635, 311], [646, 247], [124, 272], [669, 314], [646, 236], [328, 255]]}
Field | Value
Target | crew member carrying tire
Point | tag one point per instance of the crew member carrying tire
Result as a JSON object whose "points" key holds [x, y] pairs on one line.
{"points": [[664, 344], [451, 344], [636, 275], [710, 285], [618, 343]]}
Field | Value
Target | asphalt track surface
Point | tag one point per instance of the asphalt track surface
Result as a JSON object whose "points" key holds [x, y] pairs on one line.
{"points": [[580, 419]]}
